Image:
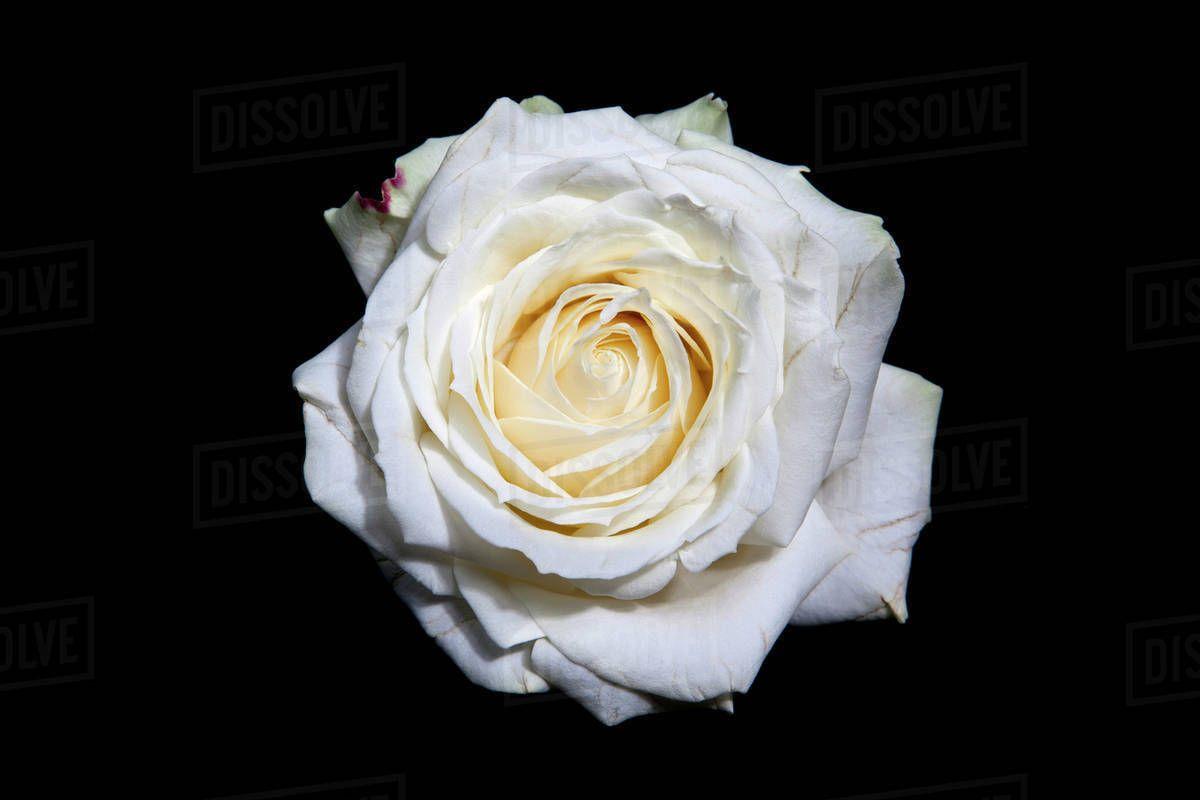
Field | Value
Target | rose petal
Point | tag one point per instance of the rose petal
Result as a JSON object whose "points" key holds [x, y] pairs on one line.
{"points": [[807, 417], [748, 488], [340, 475], [800, 251], [703, 636], [643, 583], [870, 285], [858, 237], [369, 230], [425, 521], [864, 325], [450, 621], [427, 360], [881, 501], [707, 115], [388, 308], [493, 523], [509, 143], [540, 104], [608, 702], [502, 615]]}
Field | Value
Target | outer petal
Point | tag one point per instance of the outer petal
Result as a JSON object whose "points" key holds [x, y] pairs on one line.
{"points": [[798, 249], [506, 145], [807, 417], [457, 631], [747, 490], [340, 475], [880, 501], [369, 230], [425, 521], [643, 583], [607, 701], [703, 636], [707, 115], [395, 296], [858, 237], [502, 615], [870, 285], [864, 324]]}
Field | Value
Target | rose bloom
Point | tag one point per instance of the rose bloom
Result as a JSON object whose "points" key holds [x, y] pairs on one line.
{"points": [[616, 412]]}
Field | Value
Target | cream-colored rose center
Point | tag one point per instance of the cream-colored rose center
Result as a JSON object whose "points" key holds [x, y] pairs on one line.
{"points": [[599, 389]]}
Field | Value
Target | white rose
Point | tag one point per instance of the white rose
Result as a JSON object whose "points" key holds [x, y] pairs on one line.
{"points": [[615, 413]]}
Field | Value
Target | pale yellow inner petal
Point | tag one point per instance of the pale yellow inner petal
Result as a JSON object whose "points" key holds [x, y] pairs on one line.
{"points": [[599, 389]]}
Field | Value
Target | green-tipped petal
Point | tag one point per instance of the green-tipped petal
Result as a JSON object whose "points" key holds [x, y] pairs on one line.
{"points": [[370, 230], [708, 115], [540, 104]]}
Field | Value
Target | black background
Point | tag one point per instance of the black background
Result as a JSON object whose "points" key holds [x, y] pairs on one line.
{"points": [[272, 653]]}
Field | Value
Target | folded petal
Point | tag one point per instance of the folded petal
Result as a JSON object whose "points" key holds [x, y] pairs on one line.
{"points": [[643, 583], [450, 621], [494, 528], [858, 237], [880, 501], [798, 249], [608, 702], [341, 476], [368, 237], [704, 635], [748, 488], [870, 285], [501, 614], [350, 489], [807, 417], [395, 296], [864, 324], [507, 144], [425, 522]]}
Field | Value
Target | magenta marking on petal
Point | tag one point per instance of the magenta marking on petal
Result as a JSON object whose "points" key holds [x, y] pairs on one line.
{"points": [[370, 204], [385, 194]]}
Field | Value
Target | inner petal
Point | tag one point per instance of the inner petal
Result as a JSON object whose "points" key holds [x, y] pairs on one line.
{"points": [[596, 373]]}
